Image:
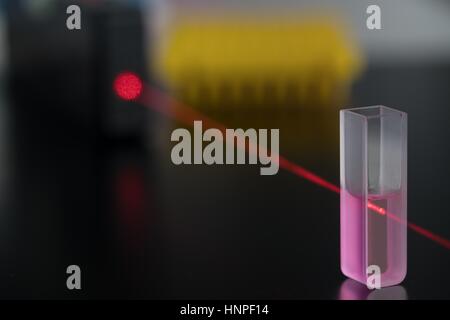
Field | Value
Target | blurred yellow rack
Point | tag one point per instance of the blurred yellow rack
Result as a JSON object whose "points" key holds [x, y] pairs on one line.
{"points": [[260, 61]]}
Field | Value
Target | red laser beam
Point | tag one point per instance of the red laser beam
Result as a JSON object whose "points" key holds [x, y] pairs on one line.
{"points": [[306, 174], [164, 103], [376, 208], [430, 235]]}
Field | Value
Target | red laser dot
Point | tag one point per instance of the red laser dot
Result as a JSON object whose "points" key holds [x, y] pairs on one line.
{"points": [[128, 86]]}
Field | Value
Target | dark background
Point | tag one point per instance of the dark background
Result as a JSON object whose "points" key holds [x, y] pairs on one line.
{"points": [[103, 194]]}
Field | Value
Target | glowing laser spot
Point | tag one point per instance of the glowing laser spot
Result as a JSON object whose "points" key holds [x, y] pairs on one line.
{"points": [[167, 105], [377, 209], [128, 86]]}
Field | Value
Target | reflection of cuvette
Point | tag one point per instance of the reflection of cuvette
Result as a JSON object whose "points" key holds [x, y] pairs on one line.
{"points": [[373, 193], [352, 290]]}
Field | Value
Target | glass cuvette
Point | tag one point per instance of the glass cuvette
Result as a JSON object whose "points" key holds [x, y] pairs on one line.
{"points": [[373, 222]]}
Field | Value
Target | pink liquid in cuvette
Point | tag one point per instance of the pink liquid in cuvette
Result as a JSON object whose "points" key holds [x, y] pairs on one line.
{"points": [[370, 238]]}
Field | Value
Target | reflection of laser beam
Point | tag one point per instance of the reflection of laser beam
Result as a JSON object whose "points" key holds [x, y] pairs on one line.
{"points": [[158, 100]]}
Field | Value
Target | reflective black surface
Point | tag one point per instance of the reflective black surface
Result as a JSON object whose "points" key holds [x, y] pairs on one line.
{"points": [[89, 181], [141, 227]]}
